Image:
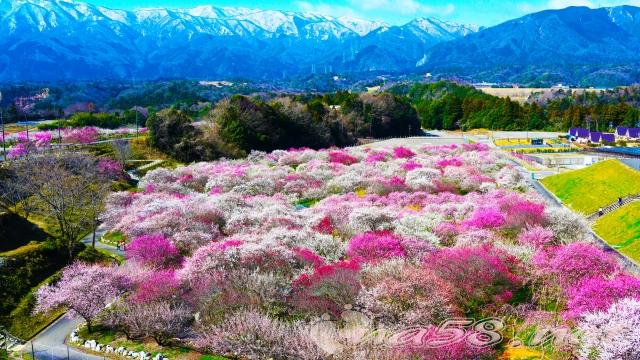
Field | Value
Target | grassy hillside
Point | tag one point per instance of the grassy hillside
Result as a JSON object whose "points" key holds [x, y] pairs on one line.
{"points": [[15, 232], [621, 229], [596, 186]]}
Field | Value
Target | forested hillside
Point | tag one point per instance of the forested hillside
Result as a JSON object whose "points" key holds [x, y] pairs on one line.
{"points": [[446, 105]]}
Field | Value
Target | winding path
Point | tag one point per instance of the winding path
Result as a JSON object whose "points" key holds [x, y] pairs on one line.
{"points": [[50, 344]]}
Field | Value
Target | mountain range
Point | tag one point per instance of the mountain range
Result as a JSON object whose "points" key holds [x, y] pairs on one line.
{"points": [[62, 39], [46, 40], [599, 47]]}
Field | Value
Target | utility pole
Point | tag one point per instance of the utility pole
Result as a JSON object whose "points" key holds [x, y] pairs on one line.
{"points": [[4, 144], [55, 114], [26, 123], [136, 111]]}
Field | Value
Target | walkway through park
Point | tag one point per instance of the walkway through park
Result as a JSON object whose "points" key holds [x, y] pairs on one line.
{"points": [[51, 344]]}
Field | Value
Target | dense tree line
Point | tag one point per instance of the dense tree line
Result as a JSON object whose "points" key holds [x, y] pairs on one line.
{"points": [[240, 124], [446, 105], [101, 120]]}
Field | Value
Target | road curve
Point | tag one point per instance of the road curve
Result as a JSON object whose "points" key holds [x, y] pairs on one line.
{"points": [[50, 344]]}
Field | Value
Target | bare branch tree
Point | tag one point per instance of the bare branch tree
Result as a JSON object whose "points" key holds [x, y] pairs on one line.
{"points": [[65, 187]]}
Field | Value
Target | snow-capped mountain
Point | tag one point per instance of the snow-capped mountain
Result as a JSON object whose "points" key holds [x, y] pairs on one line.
{"points": [[66, 39]]}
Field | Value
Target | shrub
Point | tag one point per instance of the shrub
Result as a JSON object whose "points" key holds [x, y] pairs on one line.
{"points": [[569, 264], [598, 293], [328, 288], [407, 296], [253, 335], [612, 333], [479, 275], [376, 246], [536, 236]]}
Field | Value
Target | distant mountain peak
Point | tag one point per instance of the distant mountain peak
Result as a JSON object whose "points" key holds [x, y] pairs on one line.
{"points": [[68, 39]]}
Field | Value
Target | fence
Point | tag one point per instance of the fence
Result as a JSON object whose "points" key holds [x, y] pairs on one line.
{"points": [[614, 206]]}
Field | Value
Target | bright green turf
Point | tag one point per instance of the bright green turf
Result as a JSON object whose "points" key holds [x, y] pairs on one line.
{"points": [[596, 186], [621, 229]]}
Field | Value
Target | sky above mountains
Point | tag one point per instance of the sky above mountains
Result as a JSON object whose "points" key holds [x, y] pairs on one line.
{"points": [[395, 12]]}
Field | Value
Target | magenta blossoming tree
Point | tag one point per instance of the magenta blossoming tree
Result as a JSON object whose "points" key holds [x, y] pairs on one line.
{"points": [[82, 135], [598, 293], [154, 251], [156, 285], [485, 218], [479, 275], [572, 263], [376, 246], [403, 153]]}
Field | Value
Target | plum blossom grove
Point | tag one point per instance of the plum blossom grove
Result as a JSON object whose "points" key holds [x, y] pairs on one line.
{"points": [[23, 143], [241, 257]]}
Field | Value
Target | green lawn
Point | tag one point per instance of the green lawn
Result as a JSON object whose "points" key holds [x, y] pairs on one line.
{"points": [[621, 229], [599, 185], [23, 323]]}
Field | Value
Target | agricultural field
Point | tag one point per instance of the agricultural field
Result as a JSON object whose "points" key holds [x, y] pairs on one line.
{"points": [[353, 253], [522, 94], [596, 186], [512, 142], [621, 229]]}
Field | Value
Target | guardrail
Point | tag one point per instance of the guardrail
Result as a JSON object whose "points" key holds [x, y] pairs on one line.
{"points": [[614, 206]]}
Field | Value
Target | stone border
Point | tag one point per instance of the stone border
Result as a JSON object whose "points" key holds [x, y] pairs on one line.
{"points": [[121, 351]]}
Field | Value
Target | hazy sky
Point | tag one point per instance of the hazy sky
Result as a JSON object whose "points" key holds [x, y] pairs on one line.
{"points": [[485, 12]]}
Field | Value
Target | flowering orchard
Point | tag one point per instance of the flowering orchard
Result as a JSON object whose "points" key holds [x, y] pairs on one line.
{"points": [[24, 143], [243, 257]]}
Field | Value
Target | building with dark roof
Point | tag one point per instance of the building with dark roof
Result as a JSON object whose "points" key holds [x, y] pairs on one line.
{"points": [[608, 138], [595, 137], [582, 133], [621, 131]]}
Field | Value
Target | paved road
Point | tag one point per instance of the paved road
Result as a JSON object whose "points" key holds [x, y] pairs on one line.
{"points": [[87, 240], [50, 343]]}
